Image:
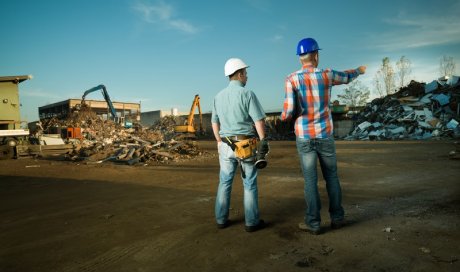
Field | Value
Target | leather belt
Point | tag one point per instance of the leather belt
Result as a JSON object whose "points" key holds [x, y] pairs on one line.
{"points": [[240, 137]]}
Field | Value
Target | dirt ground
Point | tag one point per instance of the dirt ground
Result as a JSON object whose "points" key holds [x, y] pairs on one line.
{"points": [[402, 199]]}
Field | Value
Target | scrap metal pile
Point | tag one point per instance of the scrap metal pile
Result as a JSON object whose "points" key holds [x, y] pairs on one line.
{"points": [[105, 140], [417, 111]]}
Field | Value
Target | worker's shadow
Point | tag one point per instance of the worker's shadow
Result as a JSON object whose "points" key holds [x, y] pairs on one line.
{"points": [[285, 213]]}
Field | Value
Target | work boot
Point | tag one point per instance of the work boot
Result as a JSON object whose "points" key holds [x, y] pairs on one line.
{"points": [[259, 226], [224, 225], [307, 228], [338, 224]]}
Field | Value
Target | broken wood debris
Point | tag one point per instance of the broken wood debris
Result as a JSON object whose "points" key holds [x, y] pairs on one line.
{"points": [[105, 140]]}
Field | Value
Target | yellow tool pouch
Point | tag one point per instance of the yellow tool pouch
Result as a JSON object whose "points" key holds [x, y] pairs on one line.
{"points": [[245, 148]]}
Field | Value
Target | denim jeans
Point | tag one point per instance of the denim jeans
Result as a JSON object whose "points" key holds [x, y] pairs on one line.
{"points": [[228, 167], [310, 150]]}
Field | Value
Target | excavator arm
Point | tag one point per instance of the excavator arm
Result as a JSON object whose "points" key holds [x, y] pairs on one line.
{"points": [[195, 104], [106, 97], [189, 127]]}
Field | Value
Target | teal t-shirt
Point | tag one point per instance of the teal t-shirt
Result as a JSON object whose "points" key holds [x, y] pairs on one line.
{"points": [[235, 109]]}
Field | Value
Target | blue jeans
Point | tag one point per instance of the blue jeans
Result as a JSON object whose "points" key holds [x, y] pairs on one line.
{"points": [[228, 167], [310, 150]]}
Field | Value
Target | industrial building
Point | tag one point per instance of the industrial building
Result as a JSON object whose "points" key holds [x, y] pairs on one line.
{"points": [[62, 109], [149, 118]]}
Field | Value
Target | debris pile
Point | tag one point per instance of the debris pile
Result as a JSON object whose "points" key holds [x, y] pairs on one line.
{"points": [[105, 140], [165, 127], [417, 111]]}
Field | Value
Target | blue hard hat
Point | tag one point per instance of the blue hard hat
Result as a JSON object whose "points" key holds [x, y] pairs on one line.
{"points": [[307, 45]]}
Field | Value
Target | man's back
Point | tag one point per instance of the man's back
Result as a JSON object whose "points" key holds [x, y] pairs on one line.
{"points": [[236, 108], [313, 88]]}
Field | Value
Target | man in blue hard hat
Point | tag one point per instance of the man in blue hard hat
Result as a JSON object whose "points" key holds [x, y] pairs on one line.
{"points": [[235, 112], [309, 90]]}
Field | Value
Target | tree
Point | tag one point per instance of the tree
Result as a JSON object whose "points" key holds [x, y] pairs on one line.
{"points": [[356, 94], [447, 66], [404, 69], [385, 77], [379, 84]]}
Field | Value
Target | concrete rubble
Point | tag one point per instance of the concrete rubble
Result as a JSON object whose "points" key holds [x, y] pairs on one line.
{"points": [[104, 140], [418, 111]]}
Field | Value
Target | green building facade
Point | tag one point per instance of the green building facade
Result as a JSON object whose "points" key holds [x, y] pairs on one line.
{"points": [[10, 117]]}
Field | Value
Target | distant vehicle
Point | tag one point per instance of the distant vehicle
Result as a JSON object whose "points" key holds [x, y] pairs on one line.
{"points": [[9, 139]]}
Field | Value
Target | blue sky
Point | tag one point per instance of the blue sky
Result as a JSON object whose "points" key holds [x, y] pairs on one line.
{"points": [[162, 53]]}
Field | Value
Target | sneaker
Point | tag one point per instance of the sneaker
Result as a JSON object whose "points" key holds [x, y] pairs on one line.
{"points": [[338, 224], [224, 225], [259, 226], [307, 228]]}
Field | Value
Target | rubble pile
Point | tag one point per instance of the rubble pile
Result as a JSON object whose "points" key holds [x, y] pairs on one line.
{"points": [[135, 150], [417, 111], [105, 140], [165, 127]]}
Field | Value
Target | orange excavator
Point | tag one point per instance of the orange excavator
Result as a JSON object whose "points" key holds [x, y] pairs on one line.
{"points": [[188, 130]]}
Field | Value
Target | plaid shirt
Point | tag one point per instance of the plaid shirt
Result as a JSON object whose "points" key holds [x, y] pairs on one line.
{"points": [[311, 88]]}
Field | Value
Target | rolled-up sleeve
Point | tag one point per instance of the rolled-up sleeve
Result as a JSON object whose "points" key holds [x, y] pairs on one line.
{"points": [[214, 116], [255, 108]]}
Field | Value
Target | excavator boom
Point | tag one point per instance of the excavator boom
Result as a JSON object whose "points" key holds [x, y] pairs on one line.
{"points": [[189, 127], [106, 97]]}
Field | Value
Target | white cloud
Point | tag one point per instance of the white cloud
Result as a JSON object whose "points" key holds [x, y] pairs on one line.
{"points": [[422, 30], [183, 25], [162, 14]]}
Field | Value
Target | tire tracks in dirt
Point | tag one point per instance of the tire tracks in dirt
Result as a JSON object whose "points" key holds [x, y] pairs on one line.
{"points": [[146, 249]]}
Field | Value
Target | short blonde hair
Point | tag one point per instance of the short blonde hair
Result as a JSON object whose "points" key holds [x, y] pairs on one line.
{"points": [[308, 57]]}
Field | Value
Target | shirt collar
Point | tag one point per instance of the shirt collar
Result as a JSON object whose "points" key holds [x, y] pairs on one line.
{"points": [[308, 67], [235, 83]]}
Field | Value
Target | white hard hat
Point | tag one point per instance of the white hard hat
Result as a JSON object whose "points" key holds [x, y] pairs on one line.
{"points": [[232, 65]]}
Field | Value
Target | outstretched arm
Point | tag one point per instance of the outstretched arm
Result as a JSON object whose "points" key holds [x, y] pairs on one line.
{"points": [[347, 76]]}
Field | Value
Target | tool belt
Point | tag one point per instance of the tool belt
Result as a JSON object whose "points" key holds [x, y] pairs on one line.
{"points": [[242, 145]]}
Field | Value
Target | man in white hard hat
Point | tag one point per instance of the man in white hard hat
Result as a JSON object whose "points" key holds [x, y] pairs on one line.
{"points": [[235, 112], [310, 90]]}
